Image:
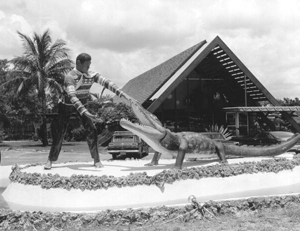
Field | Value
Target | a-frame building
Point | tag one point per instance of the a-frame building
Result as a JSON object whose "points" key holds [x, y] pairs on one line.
{"points": [[204, 85]]}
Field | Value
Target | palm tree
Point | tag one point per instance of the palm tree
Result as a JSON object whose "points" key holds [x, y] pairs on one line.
{"points": [[42, 66]]}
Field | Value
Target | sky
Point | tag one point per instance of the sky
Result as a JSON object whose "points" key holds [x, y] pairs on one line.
{"points": [[128, 37]]}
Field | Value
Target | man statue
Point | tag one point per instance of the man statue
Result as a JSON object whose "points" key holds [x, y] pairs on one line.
{"points": [[77, 84]]}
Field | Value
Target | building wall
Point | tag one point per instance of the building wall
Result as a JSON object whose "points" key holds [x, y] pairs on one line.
{"points": [[191, 106]]}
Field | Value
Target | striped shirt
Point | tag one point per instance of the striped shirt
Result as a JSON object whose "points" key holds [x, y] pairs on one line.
{"points": [[77, 87]]}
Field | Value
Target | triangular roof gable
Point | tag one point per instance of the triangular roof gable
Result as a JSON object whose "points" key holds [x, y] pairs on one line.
{"points": [[147, 84], [174, 70], [256, 89], [244, 71]]}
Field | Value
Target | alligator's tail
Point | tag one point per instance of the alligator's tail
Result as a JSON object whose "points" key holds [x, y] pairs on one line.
{"points": [[272, 150]]}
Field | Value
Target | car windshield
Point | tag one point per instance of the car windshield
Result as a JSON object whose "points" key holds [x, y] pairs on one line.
{"points": [[265, 136], [274, 135], [282, 135], [122, 138]]}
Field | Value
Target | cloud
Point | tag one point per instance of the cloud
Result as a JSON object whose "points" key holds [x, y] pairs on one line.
{"points": [[15, 6], [9, 25], [257, 18], [127, 38], [123, 27]]}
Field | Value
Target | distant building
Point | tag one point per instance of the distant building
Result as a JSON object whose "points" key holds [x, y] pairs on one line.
{"points": [[204, 85]]}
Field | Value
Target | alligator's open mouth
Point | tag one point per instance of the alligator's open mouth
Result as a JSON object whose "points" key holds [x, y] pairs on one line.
{"points": [[149, 129], [150, 135], [140, 128], [146, 118]]}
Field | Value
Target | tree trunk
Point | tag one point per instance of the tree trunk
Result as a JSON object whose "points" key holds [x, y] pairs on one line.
{"points": [[44, 132], [44, 124]]}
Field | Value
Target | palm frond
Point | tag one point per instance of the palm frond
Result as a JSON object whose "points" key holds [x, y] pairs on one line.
{"points": [[58, 77], [58, 49], [11, 84], [64, 65], [21, 64], [43, 44], [28, 44], [41, 83], [57, 58], [42, 64], [25, 86], [55, 85]]}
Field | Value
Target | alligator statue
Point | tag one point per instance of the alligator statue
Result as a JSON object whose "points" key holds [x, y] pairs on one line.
{"points": [[162, 140]]}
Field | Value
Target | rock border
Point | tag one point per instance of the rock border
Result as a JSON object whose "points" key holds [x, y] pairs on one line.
{"points": [[91, 182], [24, 220]]}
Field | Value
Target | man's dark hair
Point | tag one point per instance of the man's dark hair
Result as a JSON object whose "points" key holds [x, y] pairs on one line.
{"points": [[83, 57]]}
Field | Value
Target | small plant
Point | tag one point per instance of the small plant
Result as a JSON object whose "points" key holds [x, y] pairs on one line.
{"points": [[224, 131], [79, 133]]}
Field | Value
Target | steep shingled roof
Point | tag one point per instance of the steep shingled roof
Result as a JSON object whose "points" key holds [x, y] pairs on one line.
{"points": [[145, 85]]}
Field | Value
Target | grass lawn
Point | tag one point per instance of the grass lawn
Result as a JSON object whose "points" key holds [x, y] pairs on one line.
{"points": [[265, 220]]}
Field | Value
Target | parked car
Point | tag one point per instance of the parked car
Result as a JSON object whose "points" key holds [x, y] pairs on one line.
{"points": [[126, 144], [268, 138]]}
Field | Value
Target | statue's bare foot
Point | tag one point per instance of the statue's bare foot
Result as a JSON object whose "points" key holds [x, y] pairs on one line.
{"points": [[177, 167], [151, 164], [98, 165], [48, 165]]}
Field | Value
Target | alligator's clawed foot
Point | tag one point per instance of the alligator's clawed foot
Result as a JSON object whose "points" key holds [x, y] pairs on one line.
{"points": [[154, 160]]}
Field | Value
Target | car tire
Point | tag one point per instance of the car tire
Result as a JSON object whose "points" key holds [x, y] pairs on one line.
{"points": [[140, 155], [114, 156], [145, 151]]}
